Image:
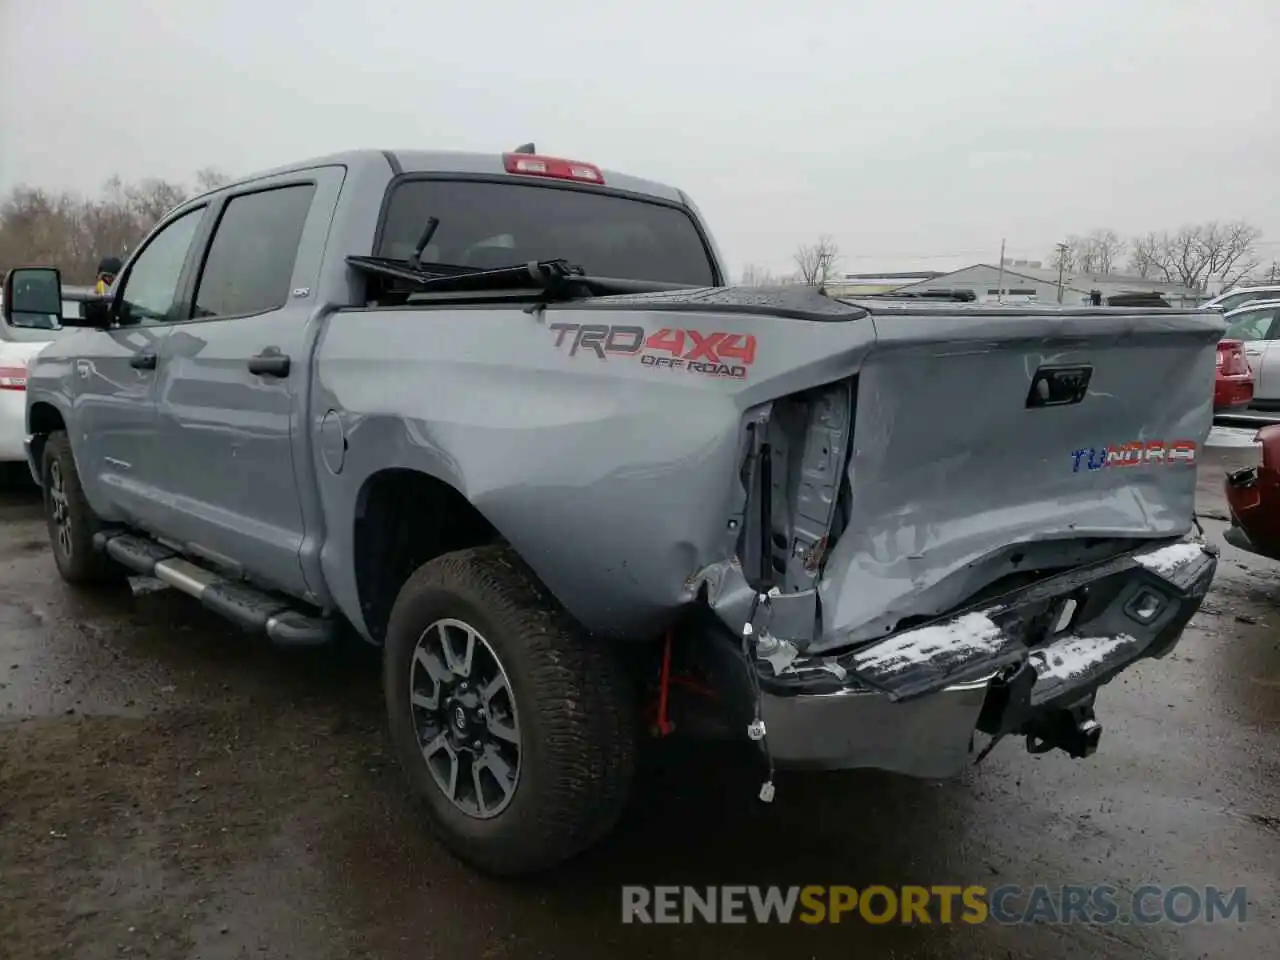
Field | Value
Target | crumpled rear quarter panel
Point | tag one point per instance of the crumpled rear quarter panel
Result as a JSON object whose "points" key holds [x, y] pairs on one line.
{"points": [[614, 480]]}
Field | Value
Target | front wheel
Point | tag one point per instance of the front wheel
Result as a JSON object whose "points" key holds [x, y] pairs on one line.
{"points": [[71, 521], [515, 728]]}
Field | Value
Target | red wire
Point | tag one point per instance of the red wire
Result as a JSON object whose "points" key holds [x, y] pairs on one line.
{"points": [[664, 685]]}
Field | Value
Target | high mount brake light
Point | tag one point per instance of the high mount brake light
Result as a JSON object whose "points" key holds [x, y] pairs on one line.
{"points": [[534, 165]]}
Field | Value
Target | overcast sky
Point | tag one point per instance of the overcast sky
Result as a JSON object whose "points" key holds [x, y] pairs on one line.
{"points": [[916, 132]]}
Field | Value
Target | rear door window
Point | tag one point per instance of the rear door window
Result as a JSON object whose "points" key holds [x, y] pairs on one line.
{"points": [[249, 267], [487, 225]]}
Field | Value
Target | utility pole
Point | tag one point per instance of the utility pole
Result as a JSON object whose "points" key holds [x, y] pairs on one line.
{"points": [[1000, 282], [1062, 265]]}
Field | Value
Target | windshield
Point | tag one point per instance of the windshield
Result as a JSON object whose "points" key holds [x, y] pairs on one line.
{"points": [[487, 225], [1254, 325]]}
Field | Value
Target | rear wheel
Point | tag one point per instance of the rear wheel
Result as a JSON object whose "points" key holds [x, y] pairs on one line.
{"points": [[71, 521], [515, 728]]}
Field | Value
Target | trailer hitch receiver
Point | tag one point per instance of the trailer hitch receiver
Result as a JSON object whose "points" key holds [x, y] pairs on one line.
{"points": [[1070, 729]]}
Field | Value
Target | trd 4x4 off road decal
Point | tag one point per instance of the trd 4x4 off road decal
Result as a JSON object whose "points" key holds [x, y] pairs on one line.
{"points": [[710, 354]]}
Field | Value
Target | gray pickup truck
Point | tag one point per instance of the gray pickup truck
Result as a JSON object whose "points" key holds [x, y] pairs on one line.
{"points": [[500, 415]]}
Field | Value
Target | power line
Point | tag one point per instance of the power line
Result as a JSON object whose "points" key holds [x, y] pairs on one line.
{"points": [[917, 256], [984, 252]]}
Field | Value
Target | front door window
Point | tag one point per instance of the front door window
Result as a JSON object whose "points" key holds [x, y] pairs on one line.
{"points": [[150, 287]]}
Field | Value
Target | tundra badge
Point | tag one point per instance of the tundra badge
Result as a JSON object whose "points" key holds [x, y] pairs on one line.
{"points": [[1135, 453]]}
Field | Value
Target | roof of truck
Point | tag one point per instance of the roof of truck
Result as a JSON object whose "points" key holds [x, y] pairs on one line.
{"points": [[443, 161]]}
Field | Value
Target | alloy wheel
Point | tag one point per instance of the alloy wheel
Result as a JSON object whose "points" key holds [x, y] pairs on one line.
{"points": [[464, 714], [61, 508]]}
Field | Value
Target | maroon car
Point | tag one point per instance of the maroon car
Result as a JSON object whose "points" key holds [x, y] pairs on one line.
{"points": [[1233, 385], [1253, 497]]}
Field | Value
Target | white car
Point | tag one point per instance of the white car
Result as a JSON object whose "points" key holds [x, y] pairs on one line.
{"points": [[18, 344], [1239, 296], [1257, 326]]}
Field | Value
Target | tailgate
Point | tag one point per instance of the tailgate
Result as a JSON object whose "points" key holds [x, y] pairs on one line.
{"points": [[990, 444]]}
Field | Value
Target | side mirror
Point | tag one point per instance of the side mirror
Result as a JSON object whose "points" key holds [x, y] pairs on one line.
{"points": [[33, 298]]}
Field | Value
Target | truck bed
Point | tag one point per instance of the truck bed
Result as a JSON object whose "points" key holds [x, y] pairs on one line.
{"points": [[910, 466]]}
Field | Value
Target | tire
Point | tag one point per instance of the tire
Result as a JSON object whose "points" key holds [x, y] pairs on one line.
{"points": [[572, 712], [69, 518]]}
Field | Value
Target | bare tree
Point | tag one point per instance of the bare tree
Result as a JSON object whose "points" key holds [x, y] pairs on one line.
{"points": [[208, 178], [1100, 251], [75, 232], [817, 260], [37, 226], [152, 199], [1232, 250], [110, 222], [1097, 252], [1196, 254], [1146, 257], [754, 275]]}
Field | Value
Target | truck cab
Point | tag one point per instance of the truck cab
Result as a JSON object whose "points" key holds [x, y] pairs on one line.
{"points": [[191, 403]]}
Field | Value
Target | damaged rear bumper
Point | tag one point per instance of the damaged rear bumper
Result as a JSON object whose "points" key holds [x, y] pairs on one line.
{"points": [[1026, 663]]}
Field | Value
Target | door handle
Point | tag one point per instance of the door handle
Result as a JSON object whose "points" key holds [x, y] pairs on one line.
{"points": [[143, 361], [269, 364]]}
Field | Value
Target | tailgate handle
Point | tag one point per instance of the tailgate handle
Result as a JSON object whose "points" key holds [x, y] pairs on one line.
{"points": [[1058, 386]]}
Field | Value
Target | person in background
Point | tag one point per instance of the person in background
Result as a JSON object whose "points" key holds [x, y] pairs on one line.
{"points": [[108, 267]]}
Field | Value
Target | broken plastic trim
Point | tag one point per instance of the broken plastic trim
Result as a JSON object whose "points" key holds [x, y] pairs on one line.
{"points": [[792, 491]]}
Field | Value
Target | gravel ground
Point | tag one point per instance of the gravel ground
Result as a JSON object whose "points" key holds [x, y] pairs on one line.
{"points": [[170, 787]]}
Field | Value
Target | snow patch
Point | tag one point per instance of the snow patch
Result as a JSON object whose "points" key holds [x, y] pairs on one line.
{"points": [[1075, 656], [972, 635], [1166, 560]]}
